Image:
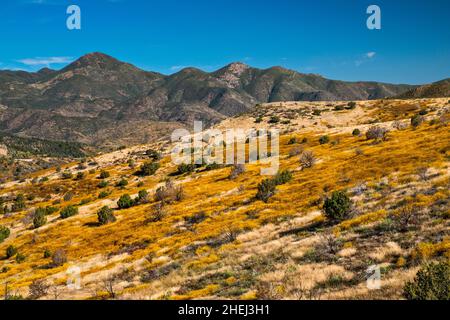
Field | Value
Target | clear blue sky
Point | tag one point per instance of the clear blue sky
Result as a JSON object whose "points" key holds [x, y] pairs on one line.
{"points": [[322, 36]]}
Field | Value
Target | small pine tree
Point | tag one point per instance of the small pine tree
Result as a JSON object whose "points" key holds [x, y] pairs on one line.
{"points": [[338, 206]]}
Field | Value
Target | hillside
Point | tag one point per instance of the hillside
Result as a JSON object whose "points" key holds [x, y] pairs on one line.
{"points": [[98, 98], [438, 89], [206, 233]]}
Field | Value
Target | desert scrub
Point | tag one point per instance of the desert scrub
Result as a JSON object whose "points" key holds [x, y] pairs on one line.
{"points": [[432, 282], [69, 211], [338, 206]]}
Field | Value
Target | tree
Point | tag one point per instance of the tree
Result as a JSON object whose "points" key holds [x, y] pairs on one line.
{"points": [[4, 233], [338, 206], [432, 282], [356, 132], [106, 215], [69, 211], [125, 202]]}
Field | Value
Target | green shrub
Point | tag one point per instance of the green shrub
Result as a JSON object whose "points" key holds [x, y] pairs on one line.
{"points": [[105, 216], [338, 206], [274, 119], [213, 166], [432, 282], [324, 139], [266, 189], [66, 175], [104, 174], [142, 197], [356, 132], [50, 210], [69, 211], [292, 140], [122, 183], [283, 177], [339, 108], [47, 253], [39, 218], [259, 119], [80, 176], [102, 184], [4, 233], [125, 202], [20, 257], [103, 194], [185, 168], [148, 169], [11, 251], [153, 154], [351, 105]]}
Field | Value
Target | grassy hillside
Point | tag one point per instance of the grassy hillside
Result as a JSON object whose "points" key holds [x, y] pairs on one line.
{"points": [[206, 235]]}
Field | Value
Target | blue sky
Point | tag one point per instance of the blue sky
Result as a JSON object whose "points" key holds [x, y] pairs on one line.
{"points": [[328, 37]]}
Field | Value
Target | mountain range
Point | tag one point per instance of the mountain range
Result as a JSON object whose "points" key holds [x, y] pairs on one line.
{"points": [[99, 100]]}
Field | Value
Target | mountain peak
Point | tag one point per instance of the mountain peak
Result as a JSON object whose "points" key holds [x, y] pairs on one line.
{"points": [[95, 60]]}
